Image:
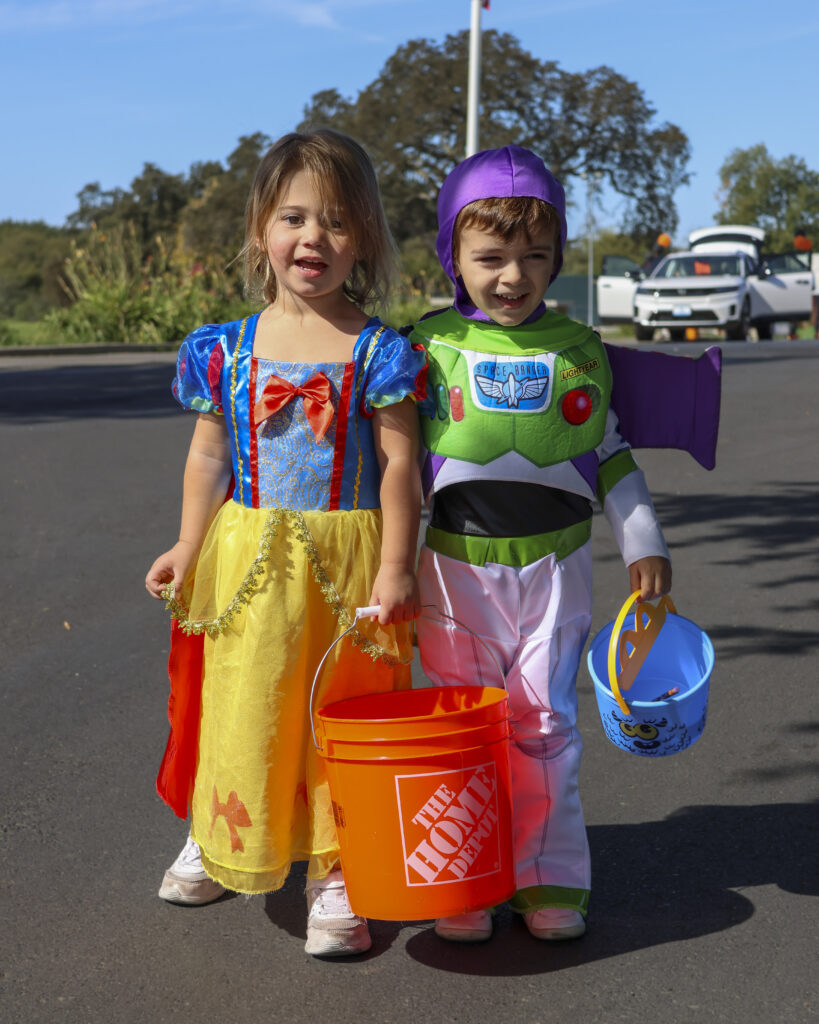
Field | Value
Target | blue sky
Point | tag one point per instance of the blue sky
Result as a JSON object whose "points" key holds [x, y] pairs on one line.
{"points": [[92, 89]]}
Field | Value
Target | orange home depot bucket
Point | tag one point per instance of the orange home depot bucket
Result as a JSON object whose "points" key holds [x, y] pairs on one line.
{"points": [[421, 790]]}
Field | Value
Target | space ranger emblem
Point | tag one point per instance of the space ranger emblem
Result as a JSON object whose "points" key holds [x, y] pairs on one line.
{"points": [[521, 385]]}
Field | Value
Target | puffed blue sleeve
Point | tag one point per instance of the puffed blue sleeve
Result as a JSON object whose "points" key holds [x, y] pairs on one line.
{"points": [[197, 384], [396, 369]]}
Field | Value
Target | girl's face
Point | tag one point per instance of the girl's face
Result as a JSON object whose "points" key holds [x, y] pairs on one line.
{"points": [[309, 251]]}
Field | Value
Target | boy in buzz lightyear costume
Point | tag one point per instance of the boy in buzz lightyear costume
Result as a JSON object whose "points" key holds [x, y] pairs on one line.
{"points": [[520, 437]]}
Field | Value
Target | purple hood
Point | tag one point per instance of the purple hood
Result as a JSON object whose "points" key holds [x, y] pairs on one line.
{"points": [[494, 174]]}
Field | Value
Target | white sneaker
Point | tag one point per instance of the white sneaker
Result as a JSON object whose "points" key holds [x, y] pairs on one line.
{"points": [[473, 927], [332, 927], [555, 923], [187, 882]]}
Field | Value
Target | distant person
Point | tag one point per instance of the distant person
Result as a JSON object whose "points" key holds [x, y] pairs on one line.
{"points": [[803, 245], [814, 320], [310, 406], [658, 251]]}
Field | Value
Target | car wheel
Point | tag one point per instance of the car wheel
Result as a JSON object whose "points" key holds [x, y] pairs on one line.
{"points": [[764, 330], [739, 330], [643, 333]]}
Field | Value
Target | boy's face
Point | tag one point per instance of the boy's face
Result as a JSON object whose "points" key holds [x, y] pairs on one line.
{"points": [[505, 280]]}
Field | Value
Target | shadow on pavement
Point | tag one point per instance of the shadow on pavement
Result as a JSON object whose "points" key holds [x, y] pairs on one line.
{"points": [[780, 517], [85, 392], [655, 883]]}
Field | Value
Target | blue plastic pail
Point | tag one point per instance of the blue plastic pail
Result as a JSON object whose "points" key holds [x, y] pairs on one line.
{"points": [[681, 656]]}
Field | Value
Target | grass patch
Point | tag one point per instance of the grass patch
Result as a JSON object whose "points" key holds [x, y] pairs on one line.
{"points": [[28, 334]]}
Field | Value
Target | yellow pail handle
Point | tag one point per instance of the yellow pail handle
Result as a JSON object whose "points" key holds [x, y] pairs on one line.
{"points": [[648, 622]]}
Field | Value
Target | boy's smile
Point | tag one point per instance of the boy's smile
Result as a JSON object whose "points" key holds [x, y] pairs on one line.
{"points": [[506, 280]]}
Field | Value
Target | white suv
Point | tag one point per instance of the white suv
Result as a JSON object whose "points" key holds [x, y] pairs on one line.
{"points": [[696, 290], [723, 282]]}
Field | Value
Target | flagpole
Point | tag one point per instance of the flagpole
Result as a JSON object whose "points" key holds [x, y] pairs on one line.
{"points": [[474, 79]]}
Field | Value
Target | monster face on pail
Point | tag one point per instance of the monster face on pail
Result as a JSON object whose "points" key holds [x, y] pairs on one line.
{"points": [[651, 735]]}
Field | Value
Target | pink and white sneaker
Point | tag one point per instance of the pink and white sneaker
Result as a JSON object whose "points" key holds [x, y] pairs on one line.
{"points": [[332, 927], [187, 882], [555, 923], [475, 926]]}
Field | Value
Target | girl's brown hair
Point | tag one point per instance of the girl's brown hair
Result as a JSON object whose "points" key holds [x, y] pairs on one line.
{"points": [[506, 216], [342, 173]]}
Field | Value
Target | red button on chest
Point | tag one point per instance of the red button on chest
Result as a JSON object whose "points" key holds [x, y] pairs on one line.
{"points": [[576, 407]]}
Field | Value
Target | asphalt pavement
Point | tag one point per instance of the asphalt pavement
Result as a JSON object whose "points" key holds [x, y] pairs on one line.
{"points": [[706, 863]]}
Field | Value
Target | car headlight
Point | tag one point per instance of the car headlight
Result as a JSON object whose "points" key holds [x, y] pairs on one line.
{"points": [[643, 290]]}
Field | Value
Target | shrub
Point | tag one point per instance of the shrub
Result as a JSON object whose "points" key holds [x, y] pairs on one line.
{"points": [[119, 297]]}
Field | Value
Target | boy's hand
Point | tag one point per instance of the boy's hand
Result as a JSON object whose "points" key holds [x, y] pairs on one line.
{"points": [[171, 567], [651, 576], [396, 590]]}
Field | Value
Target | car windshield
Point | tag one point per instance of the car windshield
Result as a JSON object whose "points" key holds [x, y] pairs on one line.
{"points": [[698, 266]]}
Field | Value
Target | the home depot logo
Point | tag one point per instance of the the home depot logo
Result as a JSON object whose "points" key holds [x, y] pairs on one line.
{"points": [[449, 825]]}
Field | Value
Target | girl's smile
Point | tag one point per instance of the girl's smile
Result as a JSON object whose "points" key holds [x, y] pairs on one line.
{"points": [[311, 267]]}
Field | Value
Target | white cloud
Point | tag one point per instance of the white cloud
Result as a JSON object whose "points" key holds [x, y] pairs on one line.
{"points": [[61, 14], [310, 15]]}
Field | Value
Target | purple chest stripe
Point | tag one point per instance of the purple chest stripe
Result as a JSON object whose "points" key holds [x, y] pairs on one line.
{"points": [[587, 465], [430, 469]]}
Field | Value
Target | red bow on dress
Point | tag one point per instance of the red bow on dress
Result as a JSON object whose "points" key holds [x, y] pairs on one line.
{"points": [[315, 393]]}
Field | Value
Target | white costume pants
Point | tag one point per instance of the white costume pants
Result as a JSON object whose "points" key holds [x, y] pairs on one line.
{"points": [[535, 619]]}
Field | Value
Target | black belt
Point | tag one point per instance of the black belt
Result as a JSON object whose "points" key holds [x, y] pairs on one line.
{"points": [[504, 508]]}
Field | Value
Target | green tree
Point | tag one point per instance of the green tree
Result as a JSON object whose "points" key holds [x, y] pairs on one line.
{"points": [[31, 257], [607, 241], [411, 119], [776, 195], [155, 203], [213, 222], [96, 206], [152, 206]]}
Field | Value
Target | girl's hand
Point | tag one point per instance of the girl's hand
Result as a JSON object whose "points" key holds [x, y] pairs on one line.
{"points": [[651, 576], [396, 590], [171, 567]]}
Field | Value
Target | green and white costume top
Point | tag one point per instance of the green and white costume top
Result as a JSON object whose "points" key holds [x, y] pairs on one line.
{"points": [[520, 438]]}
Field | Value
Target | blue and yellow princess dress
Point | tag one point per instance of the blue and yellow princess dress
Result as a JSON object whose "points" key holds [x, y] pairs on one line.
{"points": [[285, 563]]}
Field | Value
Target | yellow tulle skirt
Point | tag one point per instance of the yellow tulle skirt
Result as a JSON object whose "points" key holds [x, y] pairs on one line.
{"points": [[274, 590]]}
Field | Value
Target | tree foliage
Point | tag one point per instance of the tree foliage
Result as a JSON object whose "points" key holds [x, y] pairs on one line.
{"points": [[201, 212], [776, 195], [606, 241], [212, 224], [412, 121], [31, 256]]}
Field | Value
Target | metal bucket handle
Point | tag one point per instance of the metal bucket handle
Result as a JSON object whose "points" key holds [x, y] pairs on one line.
{"points": [[370, 610], [643, 636]]}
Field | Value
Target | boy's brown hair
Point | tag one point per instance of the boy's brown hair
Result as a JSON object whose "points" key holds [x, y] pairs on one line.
{"points": [[505, 216], [342, 173]]}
